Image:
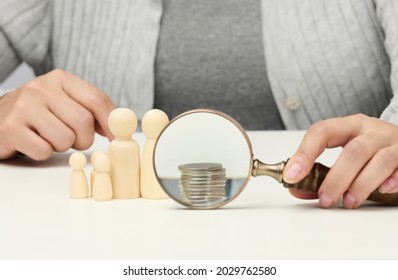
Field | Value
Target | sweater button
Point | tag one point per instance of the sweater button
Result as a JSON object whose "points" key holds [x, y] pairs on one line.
{"points": [[293, 102]]}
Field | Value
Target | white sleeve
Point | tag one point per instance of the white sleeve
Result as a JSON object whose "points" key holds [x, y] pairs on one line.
{"points": [[4, 91]]}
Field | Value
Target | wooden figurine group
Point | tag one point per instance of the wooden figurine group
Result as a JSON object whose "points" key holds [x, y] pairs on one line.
{"points": [[120, 174]]}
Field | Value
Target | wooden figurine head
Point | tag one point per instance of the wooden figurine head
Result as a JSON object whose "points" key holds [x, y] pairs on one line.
{"points": [[94, 155], [122, 123], [153, 122], [101, 162], [77, 160]]}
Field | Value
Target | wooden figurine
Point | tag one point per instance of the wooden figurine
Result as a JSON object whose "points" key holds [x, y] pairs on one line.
{"points": [[78, 186], [102, 186], [92, 175], [124, 154], [153, 123]]}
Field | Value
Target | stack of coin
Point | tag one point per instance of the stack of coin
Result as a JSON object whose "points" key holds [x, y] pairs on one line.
{"points": [[202, 184]]}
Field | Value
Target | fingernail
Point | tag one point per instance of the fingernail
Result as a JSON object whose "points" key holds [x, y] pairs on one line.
{"points": [[388, 185], [325, 201], [349, 201], [293, 172]]}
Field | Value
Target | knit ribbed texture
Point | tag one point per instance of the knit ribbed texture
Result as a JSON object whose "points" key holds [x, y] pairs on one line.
{"points": [[110, 44], [25, 31], [329, 55], [387, 12], [8, 58]]}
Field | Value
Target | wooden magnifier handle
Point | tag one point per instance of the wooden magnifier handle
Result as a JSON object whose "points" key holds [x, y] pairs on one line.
{"points": [[313, 180]]}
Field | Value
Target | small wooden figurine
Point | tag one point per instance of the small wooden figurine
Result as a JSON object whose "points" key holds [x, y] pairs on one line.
{"points": [[78, 186], [102, 186], [92, 175]]}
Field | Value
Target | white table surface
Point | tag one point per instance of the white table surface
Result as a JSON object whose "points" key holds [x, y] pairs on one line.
{"points": [[39, 221]]}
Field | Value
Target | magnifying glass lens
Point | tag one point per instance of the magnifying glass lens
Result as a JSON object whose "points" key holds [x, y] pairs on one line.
{"points": [[203, 159]]}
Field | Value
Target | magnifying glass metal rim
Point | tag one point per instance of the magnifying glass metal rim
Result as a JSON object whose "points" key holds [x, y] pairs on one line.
{"points": [[237, 125]]}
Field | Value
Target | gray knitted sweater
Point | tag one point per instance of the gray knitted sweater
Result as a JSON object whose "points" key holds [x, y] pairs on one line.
{"points": [[324, 58]]}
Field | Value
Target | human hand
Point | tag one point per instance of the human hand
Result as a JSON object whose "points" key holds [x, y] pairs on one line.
{"points": [[368, 161], [53, 112]]}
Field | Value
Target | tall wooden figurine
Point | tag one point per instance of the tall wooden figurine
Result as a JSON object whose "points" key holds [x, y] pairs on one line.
{"points": [[102, 190], [152, 124], [124, 154], [78, 185]]}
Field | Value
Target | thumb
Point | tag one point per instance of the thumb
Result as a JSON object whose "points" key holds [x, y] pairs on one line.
{"points": [[297, 168]]}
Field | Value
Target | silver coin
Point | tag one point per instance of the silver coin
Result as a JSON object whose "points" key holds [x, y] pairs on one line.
{"points": [[206, 177], [203, 184], [197, 202], [203, 197], [200, 166], [205, 190], [203, 194], [203, 179], [203, 175]]}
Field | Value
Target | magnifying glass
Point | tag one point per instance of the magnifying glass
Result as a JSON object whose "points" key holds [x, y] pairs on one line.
{"points": [[203, 159]]}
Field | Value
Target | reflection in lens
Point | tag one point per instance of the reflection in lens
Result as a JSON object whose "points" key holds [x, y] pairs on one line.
{"points": [[205, 140]]}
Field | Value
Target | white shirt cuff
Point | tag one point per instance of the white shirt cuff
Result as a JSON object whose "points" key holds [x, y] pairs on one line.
{"points": [[4, 91]]}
